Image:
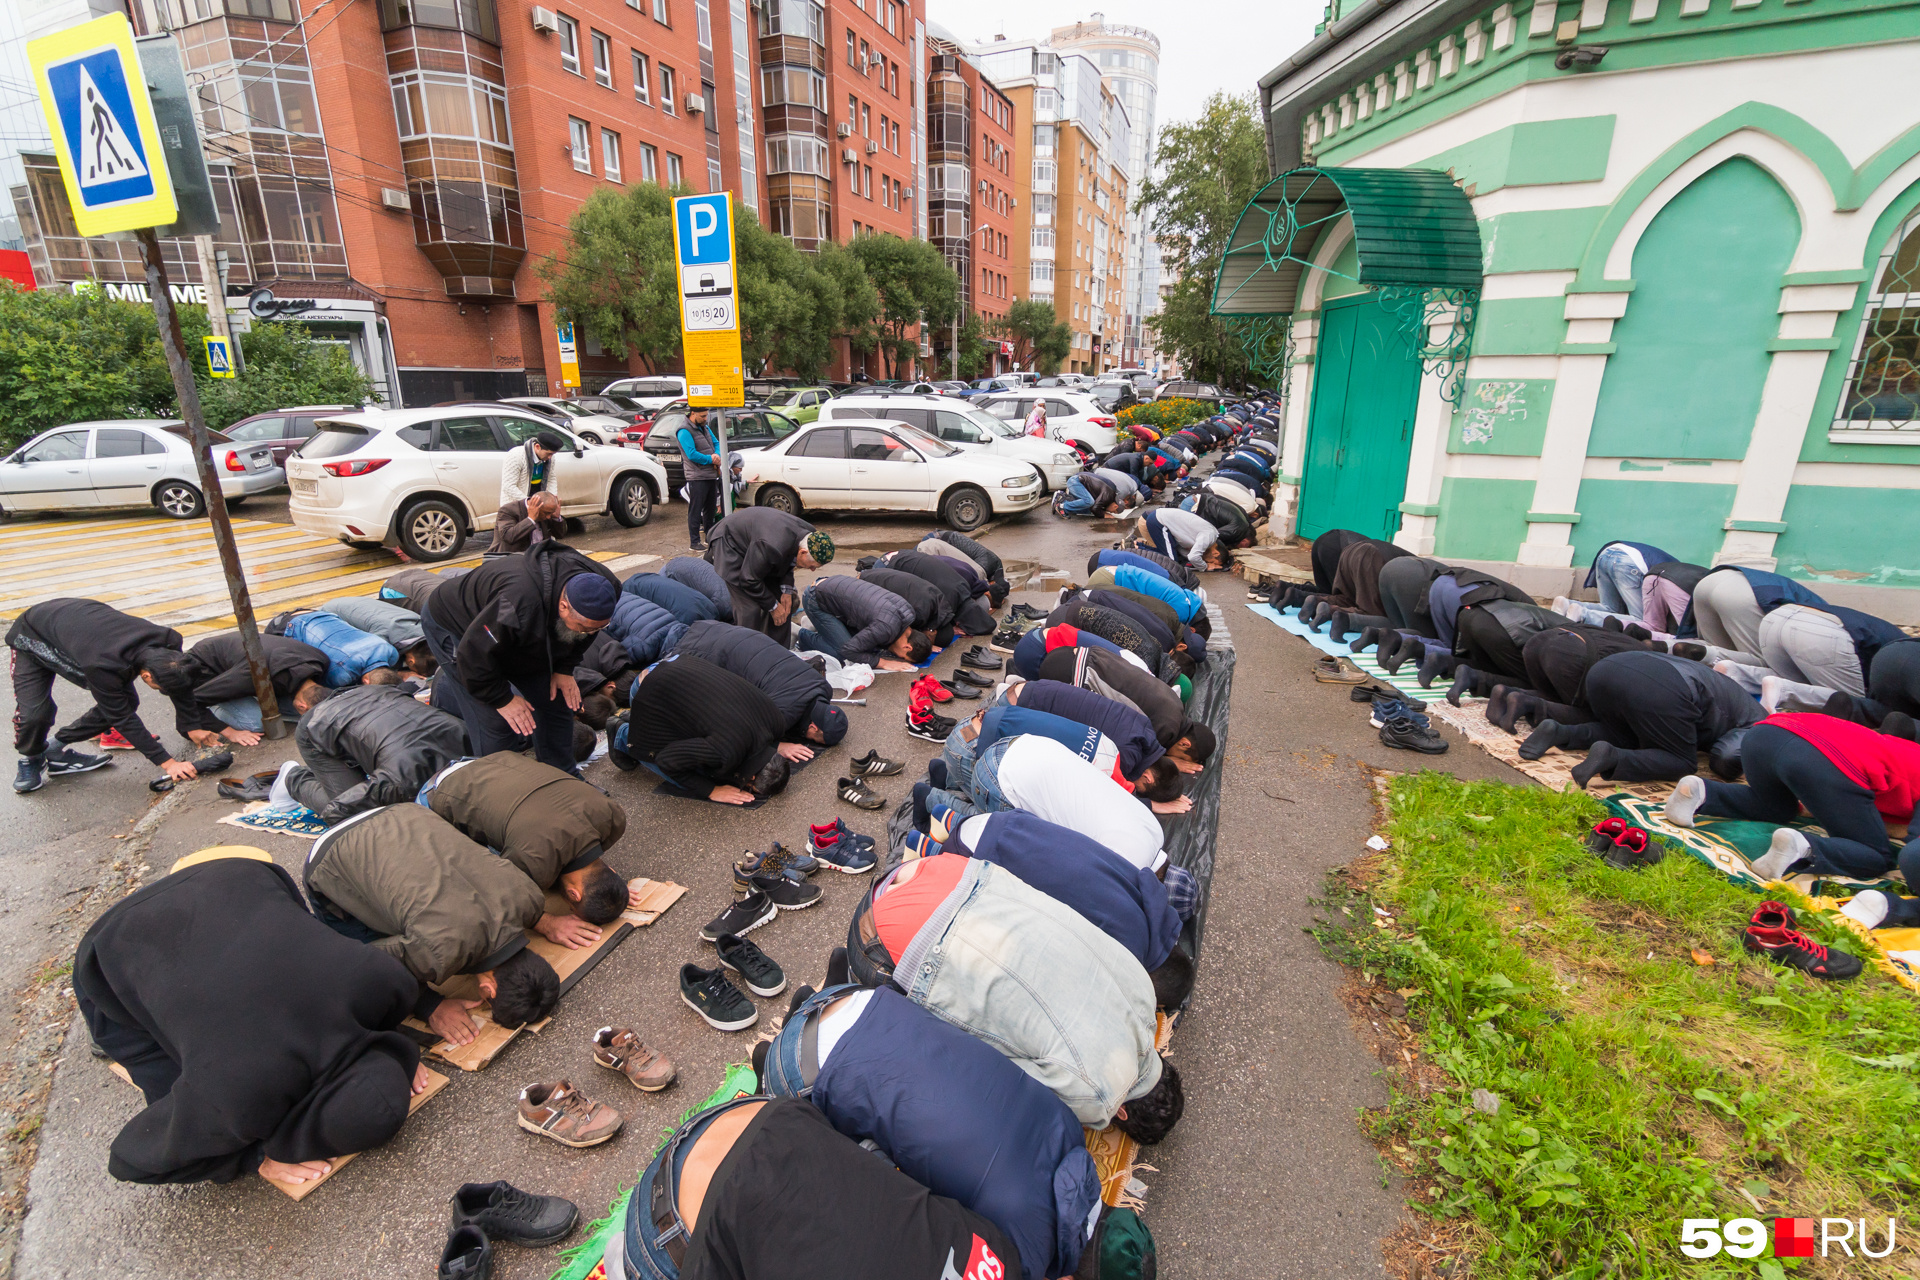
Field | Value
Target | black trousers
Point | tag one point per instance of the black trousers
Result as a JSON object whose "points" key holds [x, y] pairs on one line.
{"points": [[34, 711], [748, 614], [487, 729], [1784, 772], [1894, 682], [703, 506], [1403, 592], [1482, 643], [1649, 712]]}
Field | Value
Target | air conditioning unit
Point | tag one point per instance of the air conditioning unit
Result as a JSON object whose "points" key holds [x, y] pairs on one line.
{"points": [[872, 146], [850, 156], [983, 186], [874, 60], [545, 19], [907, 194], [843, 130], [390, 198], [695, 104]]}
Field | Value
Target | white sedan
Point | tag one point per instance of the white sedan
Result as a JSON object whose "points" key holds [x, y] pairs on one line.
{"points": [[882, 465], [135, 462], [1073, 417], [963, 426], [426, 479]]}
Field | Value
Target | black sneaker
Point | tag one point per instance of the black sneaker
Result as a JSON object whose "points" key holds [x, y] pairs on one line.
{"points": [[923, 723], [874, 765], [787, 895], [31, 775], [1411, 735], [62, 760], [1006, 638], [468, 1255], [505, 1212], [621, 760], [709, 994], [743, 917], [762, 976], [981, 657]]}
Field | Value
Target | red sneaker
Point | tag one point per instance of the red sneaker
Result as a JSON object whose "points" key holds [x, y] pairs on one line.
{"points": [[929, 687], [1771, 934], [114, 740], [1605, 832]]}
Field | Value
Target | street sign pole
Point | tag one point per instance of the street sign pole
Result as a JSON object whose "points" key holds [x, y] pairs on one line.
{"points": [[272, 726]]}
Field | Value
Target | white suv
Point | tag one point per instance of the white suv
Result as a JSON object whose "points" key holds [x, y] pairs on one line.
{"points": [[652, 393], [1072, 416], [425, 479], [961, 426]]}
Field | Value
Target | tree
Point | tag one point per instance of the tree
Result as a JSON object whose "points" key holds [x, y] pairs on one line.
{"points": [[616, 279], [974, 354], [914, 283], [1208, 169], [849, 306], [78, 357], [1041, 340]]}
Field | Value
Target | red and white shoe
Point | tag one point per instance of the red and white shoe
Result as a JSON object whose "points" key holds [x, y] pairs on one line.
{"points": [[114, 740], [930, 688]]}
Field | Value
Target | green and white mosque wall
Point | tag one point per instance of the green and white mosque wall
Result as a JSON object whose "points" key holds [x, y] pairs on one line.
{"points": [[1700, 320]]}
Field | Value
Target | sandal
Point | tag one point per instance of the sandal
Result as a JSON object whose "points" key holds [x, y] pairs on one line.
{"points": [[857, 793]]}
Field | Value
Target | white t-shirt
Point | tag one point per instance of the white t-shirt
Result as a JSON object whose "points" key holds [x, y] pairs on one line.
{"points": [[1045, 779], [836, 1020]]}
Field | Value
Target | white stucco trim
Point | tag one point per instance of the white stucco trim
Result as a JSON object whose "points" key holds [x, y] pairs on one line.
{"points": [[1663, 470], [1563, 450], [1513, 366], [1492, 466], [1857, 475], [1525, 284]]}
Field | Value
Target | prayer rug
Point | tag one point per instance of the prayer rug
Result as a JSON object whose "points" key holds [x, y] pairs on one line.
{"points": [[1407, 683], [302, 824]]}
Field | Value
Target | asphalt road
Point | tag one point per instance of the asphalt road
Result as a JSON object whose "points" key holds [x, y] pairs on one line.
{"points": [[1268, 1175]]}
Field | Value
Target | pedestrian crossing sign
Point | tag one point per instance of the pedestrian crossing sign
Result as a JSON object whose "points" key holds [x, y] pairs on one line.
{"points": [[101, 119], [219, 357]]}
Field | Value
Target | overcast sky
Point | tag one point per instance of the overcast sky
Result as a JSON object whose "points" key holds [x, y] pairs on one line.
{"points": [[1205, 45]]}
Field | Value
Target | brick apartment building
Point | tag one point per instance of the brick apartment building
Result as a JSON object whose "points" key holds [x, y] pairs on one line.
{"points": [[972, 158], [394, 172]]}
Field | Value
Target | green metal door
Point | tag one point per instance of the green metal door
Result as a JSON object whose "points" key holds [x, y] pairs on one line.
{"points": [[1360, 429]]}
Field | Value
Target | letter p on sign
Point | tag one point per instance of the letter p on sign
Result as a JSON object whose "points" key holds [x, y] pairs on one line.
{"points": [[701, 223]]}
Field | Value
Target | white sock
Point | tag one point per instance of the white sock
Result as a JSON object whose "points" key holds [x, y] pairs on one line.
{"points": [[1688, 795], [1787, 848], [1869, 907]]}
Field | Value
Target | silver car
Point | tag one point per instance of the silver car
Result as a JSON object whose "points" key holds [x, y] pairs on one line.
{"points": [[134, 462]]}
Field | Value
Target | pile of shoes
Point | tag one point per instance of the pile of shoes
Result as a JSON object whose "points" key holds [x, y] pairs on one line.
{"points": [[1402, 726]]}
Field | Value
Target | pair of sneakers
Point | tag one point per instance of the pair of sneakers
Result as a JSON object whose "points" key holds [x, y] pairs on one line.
{"points": [[1623, 846], [58, 761], [487, 1211], [1402, 726], [713, 995], [925, 723]]}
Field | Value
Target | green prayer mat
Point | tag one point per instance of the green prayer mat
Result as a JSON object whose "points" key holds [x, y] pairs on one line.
{"points": [[584, 1258], [1729, 845]]}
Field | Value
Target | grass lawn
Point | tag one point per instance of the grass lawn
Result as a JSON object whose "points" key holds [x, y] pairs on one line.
{"points": [[1644, 1068]]}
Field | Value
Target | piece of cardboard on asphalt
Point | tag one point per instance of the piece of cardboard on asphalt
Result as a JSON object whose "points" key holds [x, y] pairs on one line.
{"points": [[657, 896], [301, 1190]]}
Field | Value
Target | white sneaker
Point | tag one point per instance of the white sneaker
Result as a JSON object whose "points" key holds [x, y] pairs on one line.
{"points": [[1869, 907], [1787, 847], [1688, 795], [1564, 607]]}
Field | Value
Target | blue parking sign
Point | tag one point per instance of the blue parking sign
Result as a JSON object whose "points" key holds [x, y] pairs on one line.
{"points": [[701, 224]]}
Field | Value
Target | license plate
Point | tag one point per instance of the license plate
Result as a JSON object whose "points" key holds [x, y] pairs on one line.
{"points": [[306, 486]]}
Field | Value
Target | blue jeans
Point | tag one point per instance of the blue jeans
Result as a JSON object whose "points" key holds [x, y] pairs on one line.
{"points": [[241, 713], [1619, 578], [958, 755], [643, 1244], [783, 1077], [1079, 501], [829, 635]]}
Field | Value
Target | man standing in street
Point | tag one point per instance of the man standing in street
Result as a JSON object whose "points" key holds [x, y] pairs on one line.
{"points": [[529, 469], [508, 636], [755, 552], [103, 651], [702, 470]]}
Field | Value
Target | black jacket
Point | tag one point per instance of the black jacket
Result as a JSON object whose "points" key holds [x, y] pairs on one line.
{"points": [[753, 551], [225, 675], [991, 567], [253, 1029], [99, 648], [1114, 677], [504, 614], [931, 609], [700, 725], [777, 671], [380, 730], [947, 578]]}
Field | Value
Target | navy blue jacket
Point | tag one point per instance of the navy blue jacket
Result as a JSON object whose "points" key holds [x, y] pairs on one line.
{"points": [[645, 630], [692, 571], [1770, 591], [1868, 633], [683, 602], [1125, 902], [959, 1118], [1131, 731], [777, 671]]}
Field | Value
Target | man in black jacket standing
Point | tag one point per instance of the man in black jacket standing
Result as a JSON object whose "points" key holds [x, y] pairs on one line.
{"points": [[755, 552], [103, 651], [705, 730], [802, 694], [370, 745], [508, 637]]}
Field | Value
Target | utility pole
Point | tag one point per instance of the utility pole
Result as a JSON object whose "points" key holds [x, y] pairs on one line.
{"points": [[956, 346], [188, 391]]}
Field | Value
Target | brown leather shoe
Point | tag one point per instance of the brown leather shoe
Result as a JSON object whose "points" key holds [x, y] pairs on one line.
{"points": [[556, 1111], [619, 1049]]}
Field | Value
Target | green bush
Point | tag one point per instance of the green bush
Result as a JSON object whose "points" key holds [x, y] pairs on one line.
{"points": [[1166, 415]]}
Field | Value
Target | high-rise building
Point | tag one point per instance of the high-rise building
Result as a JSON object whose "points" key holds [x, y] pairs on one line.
{"points": [[393, 172], [1129, 58], [972, 158]]}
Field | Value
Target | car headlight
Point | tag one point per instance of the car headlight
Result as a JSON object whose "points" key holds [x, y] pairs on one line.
{"points": [[1063, 459], [1016, 482]]}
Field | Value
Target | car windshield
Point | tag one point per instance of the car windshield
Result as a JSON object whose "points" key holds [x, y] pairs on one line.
{"points": [[783, 397], [925, 443], [213, 437], [988, 423], [571, 409], [331, 439]]}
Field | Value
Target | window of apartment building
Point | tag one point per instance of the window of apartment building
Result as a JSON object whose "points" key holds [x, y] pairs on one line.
{"points": [[649, 163], [852, 58], [602, 59], [890, 17], [569, 44], [893, 78], [450, 106], [796, 153], [866, 56], [1041, 273], [714, 182], [702, 24], [610, 154], [896, 138], [1043, 135], [666, 90], [866, 121], [867, 185], [793, 86], [1043, 237], [642, 77], [883, 131], [676, 170], [794, 18], [853, 112], [580, 138], [1043, 210], [660, 14]]}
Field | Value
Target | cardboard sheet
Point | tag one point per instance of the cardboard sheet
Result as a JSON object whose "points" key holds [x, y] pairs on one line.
{"points": [[301, 1190], [570, 964]]}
